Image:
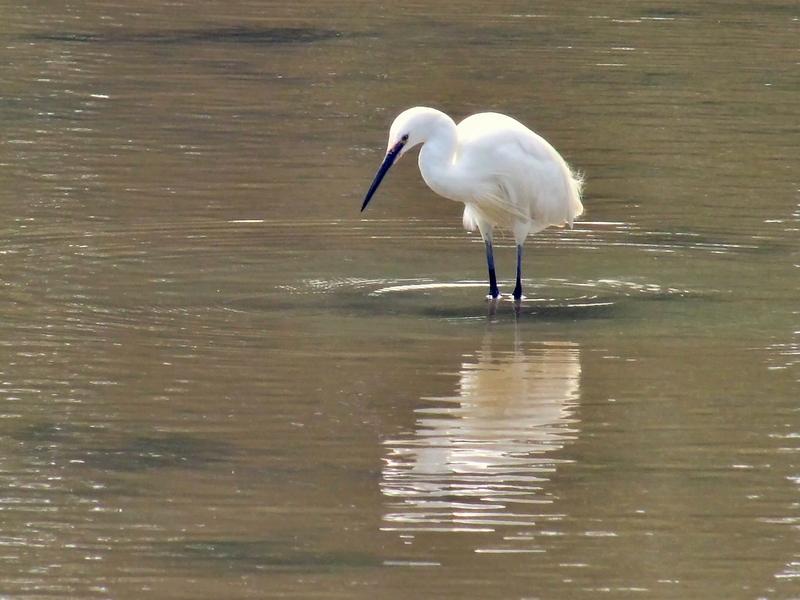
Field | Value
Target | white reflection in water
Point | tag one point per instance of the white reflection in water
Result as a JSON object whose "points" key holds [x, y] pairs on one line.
{"points": [[480, 459]]}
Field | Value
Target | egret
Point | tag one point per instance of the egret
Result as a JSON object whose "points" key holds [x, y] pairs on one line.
{"points": [[505, 174]]}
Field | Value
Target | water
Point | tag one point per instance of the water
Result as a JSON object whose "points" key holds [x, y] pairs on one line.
{"points": [[218, 381]]}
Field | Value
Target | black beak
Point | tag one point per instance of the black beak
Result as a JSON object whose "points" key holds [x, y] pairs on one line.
{"points": [[387, 163]]}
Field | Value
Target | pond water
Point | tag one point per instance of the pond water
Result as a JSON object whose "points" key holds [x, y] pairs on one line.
{"points": [[219, 380]]}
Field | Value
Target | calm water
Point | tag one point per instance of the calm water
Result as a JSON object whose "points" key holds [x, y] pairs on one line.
{"points": [[219, 381]]}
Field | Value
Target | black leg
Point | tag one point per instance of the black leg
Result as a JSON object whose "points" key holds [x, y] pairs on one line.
{"points": [[518, 287], [493, 291]]}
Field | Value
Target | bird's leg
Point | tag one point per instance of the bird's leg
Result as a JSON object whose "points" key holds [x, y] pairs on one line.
{"points": [[494, 292], [518, 287]]}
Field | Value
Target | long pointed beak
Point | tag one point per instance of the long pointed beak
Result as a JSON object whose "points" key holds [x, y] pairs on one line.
{"points": [[387, 163]]}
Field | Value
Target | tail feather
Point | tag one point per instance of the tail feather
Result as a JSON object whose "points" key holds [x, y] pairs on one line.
{"points": [[576, 192], [469, 219]]}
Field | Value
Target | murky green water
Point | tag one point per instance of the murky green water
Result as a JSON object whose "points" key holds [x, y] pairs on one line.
{"points": [[218, 381]]}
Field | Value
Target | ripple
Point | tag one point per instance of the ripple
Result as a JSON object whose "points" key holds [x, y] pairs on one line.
{"points": [[272, 554], [240, 34], [585, 235], [416, 287], [324, 286], [786, 355], [546, 291]]}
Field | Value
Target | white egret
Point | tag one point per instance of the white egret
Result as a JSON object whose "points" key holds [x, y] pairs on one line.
{"points": [[505, 174]]}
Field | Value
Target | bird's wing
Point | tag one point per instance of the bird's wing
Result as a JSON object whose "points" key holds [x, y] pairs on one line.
{"points": [[495, 207], [485, 132], [524, 178]]}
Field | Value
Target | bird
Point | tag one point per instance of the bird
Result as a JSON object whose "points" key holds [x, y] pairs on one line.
{"points": [[506, 175]]}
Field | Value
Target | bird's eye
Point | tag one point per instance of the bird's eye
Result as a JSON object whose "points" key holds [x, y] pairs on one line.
{"points": [[404, 138]]}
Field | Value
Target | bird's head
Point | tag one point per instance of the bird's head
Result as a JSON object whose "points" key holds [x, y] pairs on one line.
{"points": [[411, 128]]}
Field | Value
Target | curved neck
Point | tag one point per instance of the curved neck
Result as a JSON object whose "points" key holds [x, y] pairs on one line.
{"points": [[438, 154]]}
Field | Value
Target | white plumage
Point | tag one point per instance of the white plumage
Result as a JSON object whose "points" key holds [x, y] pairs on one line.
{"points": [[505, 174]]}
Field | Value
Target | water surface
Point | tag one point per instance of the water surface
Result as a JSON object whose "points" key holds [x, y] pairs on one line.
{"points": [[219, 380]]}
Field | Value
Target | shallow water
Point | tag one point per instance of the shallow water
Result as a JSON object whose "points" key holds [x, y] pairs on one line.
{"points": [[220, 380]]}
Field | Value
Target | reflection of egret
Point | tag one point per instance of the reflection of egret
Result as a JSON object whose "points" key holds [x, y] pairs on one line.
{"points": [[476, 456]]}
